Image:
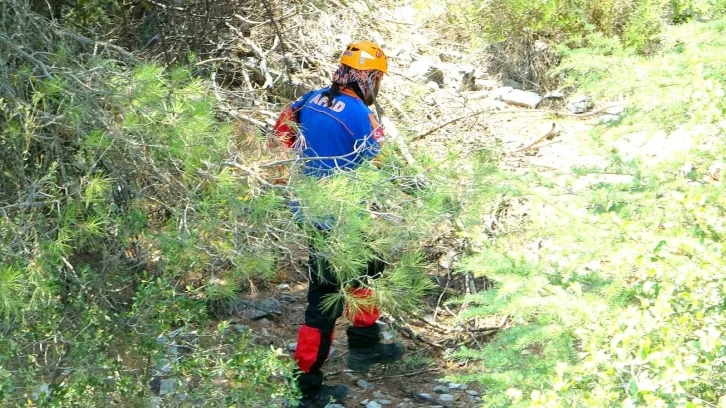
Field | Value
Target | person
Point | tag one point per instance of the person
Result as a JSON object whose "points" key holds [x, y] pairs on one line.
{"points": [[336, 130]]}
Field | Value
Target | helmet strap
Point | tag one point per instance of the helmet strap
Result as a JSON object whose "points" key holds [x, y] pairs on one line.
{"points": [[379, 111]]}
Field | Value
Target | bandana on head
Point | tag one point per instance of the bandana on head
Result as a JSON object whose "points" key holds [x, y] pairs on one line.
{"points": [[346, 75]]}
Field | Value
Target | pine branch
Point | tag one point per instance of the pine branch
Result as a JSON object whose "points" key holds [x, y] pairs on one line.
{"points": [[38, 63]]}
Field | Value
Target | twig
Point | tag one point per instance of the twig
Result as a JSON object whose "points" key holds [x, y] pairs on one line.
{"points": [[549, 134], [252, 173], [576, 115], [38, 63], [419, 337], [437, 128], [278, 35], [415, 373]]}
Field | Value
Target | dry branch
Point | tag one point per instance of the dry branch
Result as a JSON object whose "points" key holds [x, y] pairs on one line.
{"points": [[551, 133]]}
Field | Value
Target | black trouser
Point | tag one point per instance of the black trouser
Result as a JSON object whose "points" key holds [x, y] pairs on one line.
{"points": [[316, 335]]}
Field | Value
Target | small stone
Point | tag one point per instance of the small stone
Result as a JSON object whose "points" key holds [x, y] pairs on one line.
{"points": [[405, 404], [265, 332], [579, 104], [425, 396], [364, 384], [288, 298], [472, 393], [373, 404], [167, 386], [283, 287], [454, 386], [554, 95], [265, 322], [384, 402], [447, 398], [441, 389], [365, 402], [433, 85], [292, 346], [240, 328], [388, 336], [334, 406], [378, 395]]}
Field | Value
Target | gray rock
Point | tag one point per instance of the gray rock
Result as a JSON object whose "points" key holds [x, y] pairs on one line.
{"points": [[167, 386], [447, 398], [334, 406], [246, 309], [512, 83], [240, 328], [472, 393], [456, 386], [365, 401], [292, 346], [405, 404], [164, 365], [288, 298], [43, 390], [373, 404], [264, 322], [384, 402], [524, 99], [449, 55], [425, 70], [378, 395], [387, 335], [441, 389], [283, 287], [554, 95], [364, 384], [579, 104]]}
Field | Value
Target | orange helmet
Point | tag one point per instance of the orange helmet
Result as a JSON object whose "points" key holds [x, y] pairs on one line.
{"points": [[364, 55]]}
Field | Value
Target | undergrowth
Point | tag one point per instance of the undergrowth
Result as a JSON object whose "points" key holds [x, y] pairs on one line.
{"points": [[620, 302]]}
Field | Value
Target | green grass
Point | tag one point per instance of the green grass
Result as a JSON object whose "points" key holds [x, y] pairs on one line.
{"points": [[627, 274]]}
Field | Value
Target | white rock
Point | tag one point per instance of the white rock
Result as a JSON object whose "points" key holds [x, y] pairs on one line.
{"points": [[524, 99], [499, 93], [283, 287], [373, 404], [365, 402]]}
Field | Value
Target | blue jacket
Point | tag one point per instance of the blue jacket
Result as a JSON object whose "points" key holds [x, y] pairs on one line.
{"points": [[339, 137]]}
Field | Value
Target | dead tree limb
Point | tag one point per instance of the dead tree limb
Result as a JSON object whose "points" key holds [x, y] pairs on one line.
{"points": [[552, 132]]}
